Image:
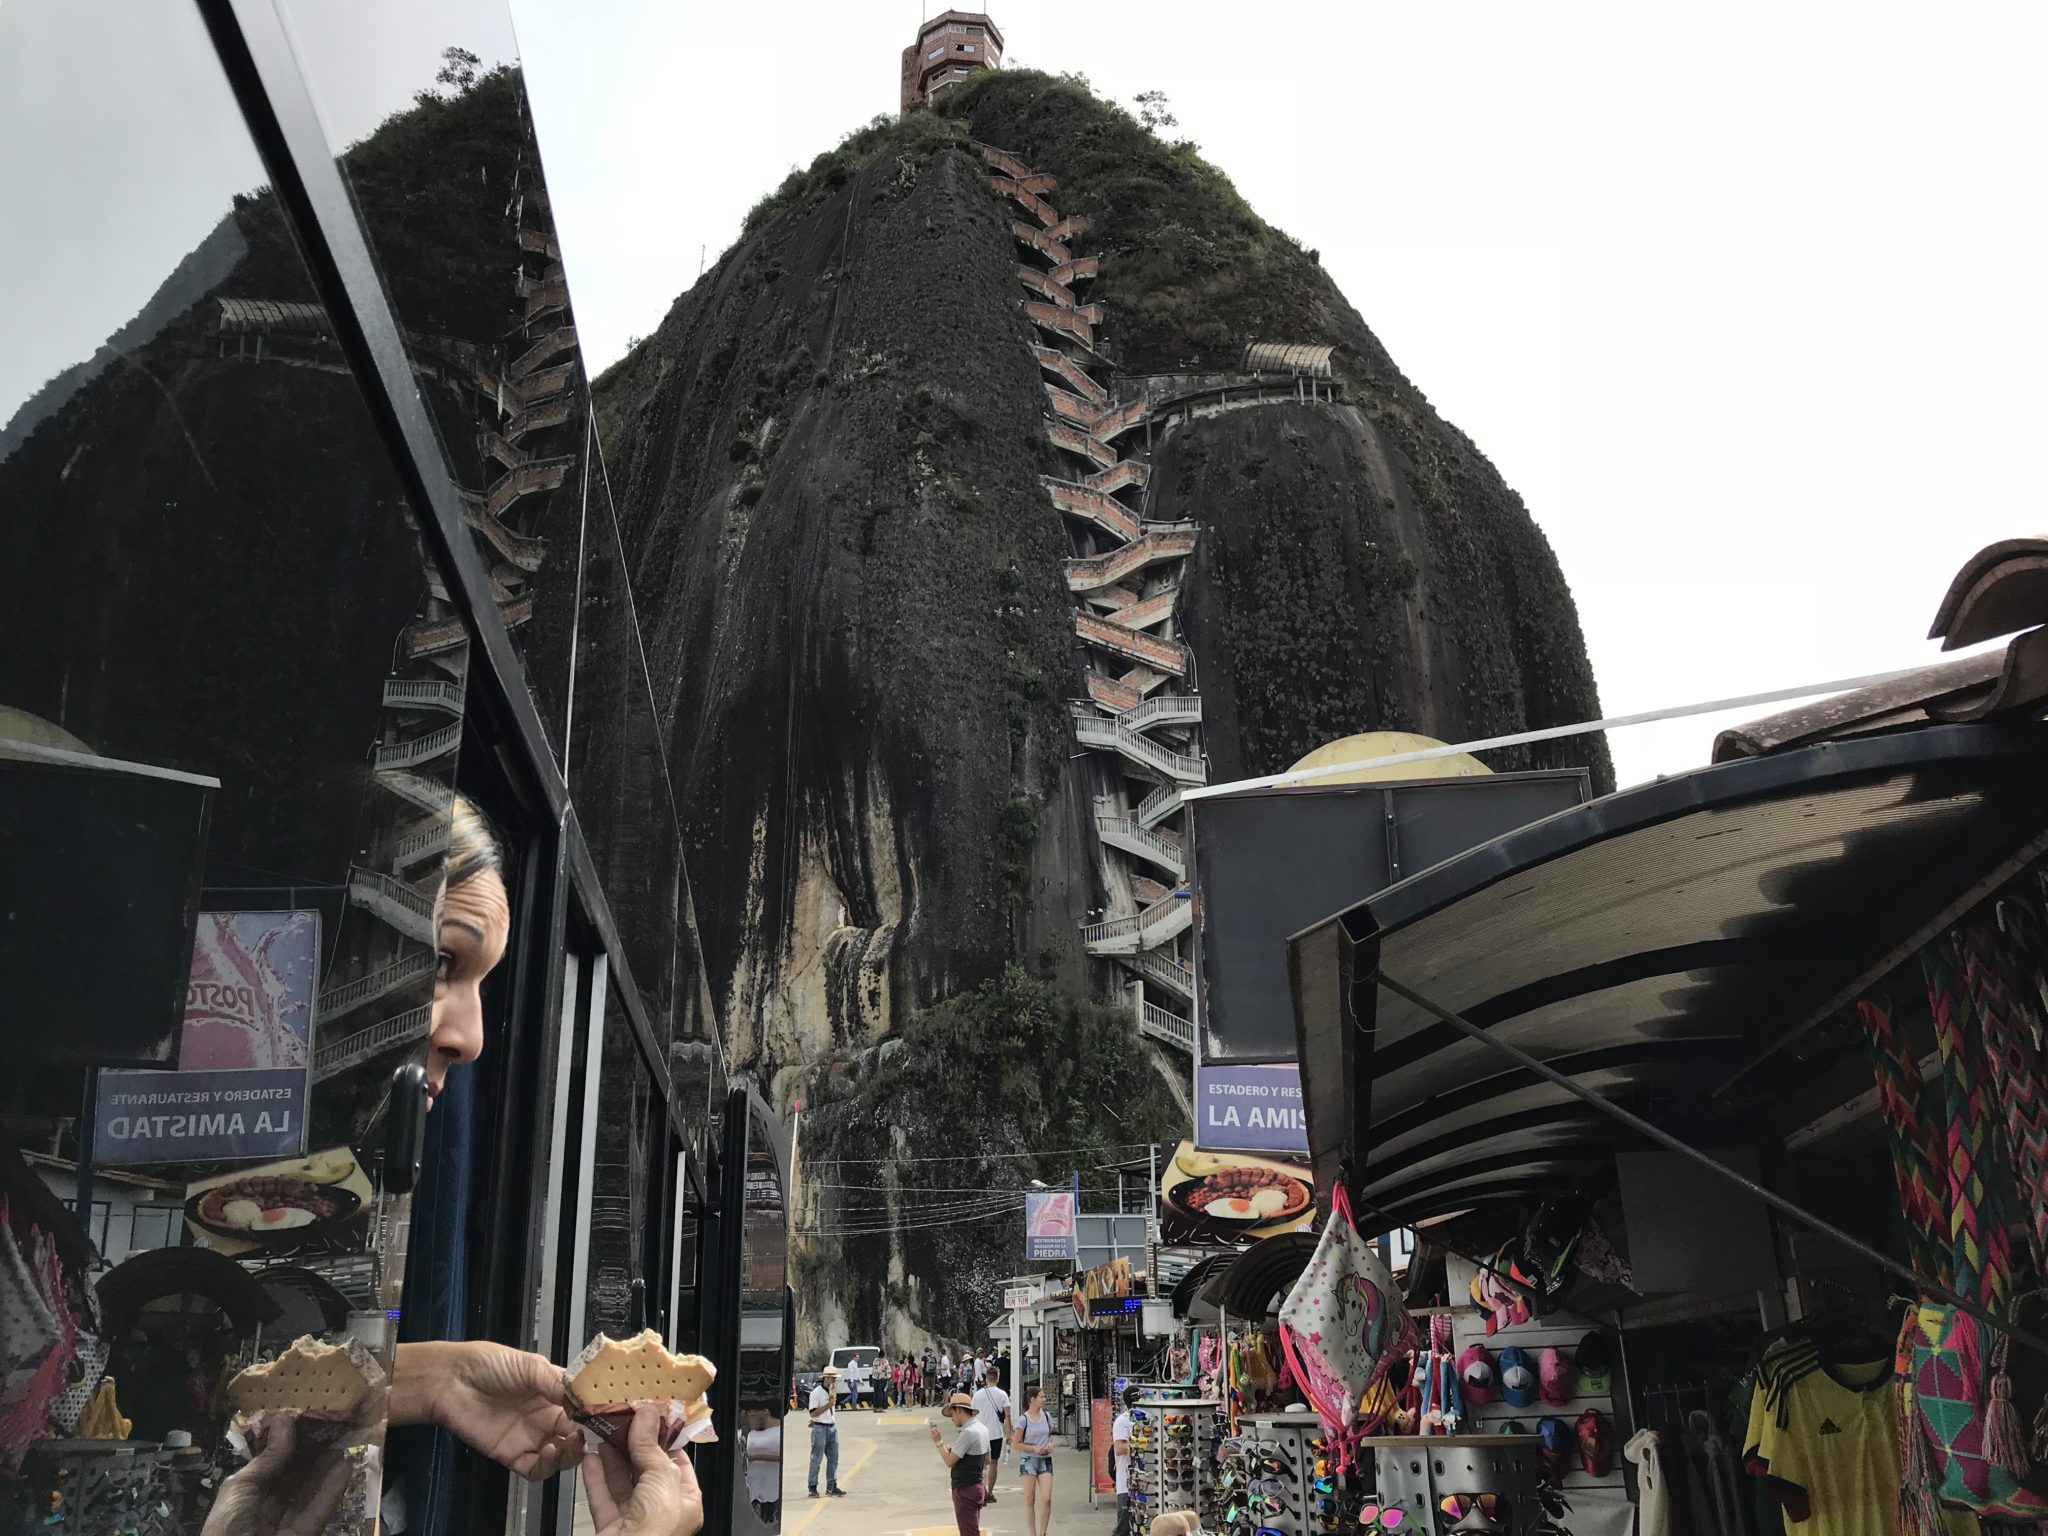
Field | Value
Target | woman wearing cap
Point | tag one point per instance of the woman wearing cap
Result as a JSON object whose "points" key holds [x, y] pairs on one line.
{"points": [[507, 1404], [965, 1457]]}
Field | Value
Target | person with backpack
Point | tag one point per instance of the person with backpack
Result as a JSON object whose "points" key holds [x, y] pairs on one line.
{"points": [[992, 1406]]}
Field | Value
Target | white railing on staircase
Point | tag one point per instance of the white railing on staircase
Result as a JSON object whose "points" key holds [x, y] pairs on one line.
{"points": [[408, 910], [423, 693], [1175, 975], [1124, 832], [1142, 930], [353, 1050], [1095, 730], [353, 994], [1170, 1027], [1158, 805], [420, 749]]}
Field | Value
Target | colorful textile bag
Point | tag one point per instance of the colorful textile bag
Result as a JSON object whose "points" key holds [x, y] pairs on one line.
{"points": [[1343, 1326], [1949, 1396]]}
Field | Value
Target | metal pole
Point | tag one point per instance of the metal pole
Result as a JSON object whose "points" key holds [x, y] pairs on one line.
{"points": [[88, 1129], [1665, 1139]]}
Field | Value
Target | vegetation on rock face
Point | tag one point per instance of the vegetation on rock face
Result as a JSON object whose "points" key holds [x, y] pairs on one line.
{"points": [[1009, 1067]]}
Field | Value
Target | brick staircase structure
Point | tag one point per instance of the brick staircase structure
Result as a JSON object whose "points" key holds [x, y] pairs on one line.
{"points": [[1124, 575]]}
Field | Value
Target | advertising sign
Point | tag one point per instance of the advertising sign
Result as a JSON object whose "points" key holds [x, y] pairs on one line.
{"points": [[197, 1117], [1049, 1226], [1228, 1199], [244, 1054], [1103, 1282], [1102, 1462], [249, 1002], [1250, 1109]]}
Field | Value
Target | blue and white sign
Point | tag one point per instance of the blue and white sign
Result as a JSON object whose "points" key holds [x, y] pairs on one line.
{"points": [[199, 1117], [1251, 1109]]}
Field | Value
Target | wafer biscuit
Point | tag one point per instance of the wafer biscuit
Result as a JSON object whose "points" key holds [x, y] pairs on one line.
{"points": [[613, 1372], [321, 1381]]}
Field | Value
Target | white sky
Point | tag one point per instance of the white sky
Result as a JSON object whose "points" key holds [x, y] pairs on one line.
{"points": [[1745, 300]]}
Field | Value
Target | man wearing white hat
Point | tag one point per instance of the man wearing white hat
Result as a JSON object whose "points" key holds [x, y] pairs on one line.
{"points": [[825, 1431]]}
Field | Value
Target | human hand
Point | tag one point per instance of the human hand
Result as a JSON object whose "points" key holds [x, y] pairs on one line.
{"points": [[644, 1490], [504, 1403], [935, 1434], [281, 1492]]}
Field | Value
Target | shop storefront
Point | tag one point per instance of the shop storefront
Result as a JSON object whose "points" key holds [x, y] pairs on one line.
{"points": [[1714, 1105], [320, 685]]}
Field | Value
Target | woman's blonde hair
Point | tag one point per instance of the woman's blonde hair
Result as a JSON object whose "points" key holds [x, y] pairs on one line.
{"points": [[473, 847], [1176, 1522]]}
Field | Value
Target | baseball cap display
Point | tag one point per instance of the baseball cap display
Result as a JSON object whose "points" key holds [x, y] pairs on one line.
{"points": [[1596, 1442], [1477, 1378], [1596, 1366], [1517, 1377], [1559, 1378]]}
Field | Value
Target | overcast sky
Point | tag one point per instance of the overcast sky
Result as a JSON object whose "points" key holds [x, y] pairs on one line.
{"points": [[1747, 306], [1744, 299]]}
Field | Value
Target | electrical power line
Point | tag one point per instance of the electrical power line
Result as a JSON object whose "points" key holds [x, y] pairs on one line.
{"points": [[925, 1226], [976, 1157]]}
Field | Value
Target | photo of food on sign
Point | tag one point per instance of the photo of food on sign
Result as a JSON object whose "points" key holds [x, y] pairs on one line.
{"points": [[304, 1201], [1231, 1196]]}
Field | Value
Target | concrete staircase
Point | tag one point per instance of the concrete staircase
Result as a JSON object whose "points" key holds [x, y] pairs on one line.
{"points": [[1141, 708]]}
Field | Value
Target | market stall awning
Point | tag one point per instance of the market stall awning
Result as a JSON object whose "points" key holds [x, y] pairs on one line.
{"points": [[1262, 1275], [1662, 947]]}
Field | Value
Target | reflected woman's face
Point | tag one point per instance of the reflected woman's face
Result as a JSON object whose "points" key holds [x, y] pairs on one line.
{"points": [[472, 925]]}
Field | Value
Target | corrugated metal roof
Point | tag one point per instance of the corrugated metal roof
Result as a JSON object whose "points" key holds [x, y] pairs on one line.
{"points": [[271, 315], [1288, 357]]}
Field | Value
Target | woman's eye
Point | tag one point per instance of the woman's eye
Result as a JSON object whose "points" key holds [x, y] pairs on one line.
{"points": [[446, 965]]}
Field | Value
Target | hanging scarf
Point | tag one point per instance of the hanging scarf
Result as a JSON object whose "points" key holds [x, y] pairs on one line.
{"points": [[1912, 1136], [2008, 1034], [1980, 1252]]}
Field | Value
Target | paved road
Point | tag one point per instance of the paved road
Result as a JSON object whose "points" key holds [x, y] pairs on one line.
{"points": [[896, 1485]]}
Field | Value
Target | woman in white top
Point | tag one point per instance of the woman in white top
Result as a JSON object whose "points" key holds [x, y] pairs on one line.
{"points": [[1031, 1434]]}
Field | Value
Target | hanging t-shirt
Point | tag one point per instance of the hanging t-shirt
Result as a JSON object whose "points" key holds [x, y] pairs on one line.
{"points": [[1834, 1461]]}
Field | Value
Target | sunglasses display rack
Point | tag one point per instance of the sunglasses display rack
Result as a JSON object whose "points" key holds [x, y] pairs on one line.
{"points": [[1281, 1480], [1173, 1451], [1484, 1484]]}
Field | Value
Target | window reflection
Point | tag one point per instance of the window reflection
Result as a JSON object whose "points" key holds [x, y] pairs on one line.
{"points": [[425, 108], [231, 701], [763, 1363]]}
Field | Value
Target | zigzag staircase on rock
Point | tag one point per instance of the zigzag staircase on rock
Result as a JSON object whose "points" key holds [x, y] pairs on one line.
{"points": [[1142, 712]]}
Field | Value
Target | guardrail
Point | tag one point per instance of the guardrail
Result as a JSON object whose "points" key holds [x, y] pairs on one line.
{"points": [[374, 1041], [1143, 930], [1095, 730], [420, 749], [1158, 805], [1124, 832], [408, 910], [428, 794], [1174, 975], [423, 693], [1165, 709], [353, 994], [1170, 1027]]}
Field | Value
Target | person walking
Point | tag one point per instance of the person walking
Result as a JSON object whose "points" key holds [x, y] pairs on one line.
{"points": [[964, 1459], [881, 1381], [992, 1407], [931, 1378], [825, 1432], [946, 1378], [1031, 1434], [854, 1373]]}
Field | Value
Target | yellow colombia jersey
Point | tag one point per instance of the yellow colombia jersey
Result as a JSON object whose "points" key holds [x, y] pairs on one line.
{"points": [[1834, 1464]]}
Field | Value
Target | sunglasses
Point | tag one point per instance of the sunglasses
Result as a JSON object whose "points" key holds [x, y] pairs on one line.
{"points": [[1458, 1505], [1387, 1519]]}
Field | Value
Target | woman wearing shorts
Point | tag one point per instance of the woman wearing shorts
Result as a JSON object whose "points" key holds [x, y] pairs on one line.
{"points": [[1031, 1434]]}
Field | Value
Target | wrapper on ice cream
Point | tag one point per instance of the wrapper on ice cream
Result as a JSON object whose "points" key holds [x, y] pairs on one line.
{"points": [[613, 1375]]}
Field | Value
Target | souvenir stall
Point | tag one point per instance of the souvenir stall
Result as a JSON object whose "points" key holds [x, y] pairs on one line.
{"points": [[1723, 1099]]}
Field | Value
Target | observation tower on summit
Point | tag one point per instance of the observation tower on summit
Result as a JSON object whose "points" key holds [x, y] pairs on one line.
{"points": [[949, 48]]}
